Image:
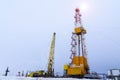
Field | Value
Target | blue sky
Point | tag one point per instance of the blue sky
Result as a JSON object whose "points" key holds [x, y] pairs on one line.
{"points": [[26, 28]]}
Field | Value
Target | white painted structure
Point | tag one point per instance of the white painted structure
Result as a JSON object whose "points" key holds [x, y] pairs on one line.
{"points": [[114, 72]]}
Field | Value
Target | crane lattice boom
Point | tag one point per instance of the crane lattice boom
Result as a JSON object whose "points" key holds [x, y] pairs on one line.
{"points": [[50, 69]]}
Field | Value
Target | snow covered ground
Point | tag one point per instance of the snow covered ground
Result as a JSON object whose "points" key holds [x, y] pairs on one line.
{"points": [[29, 78]]}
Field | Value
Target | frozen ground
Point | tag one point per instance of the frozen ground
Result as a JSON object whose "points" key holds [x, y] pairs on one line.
{"points": [[28, 78]]}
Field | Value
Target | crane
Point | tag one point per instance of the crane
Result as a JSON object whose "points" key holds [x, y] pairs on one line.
{"points": [[79, 65], [50, 68]]}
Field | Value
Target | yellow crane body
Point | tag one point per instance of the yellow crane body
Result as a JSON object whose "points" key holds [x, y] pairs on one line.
{"points": [[39, 73], [50, 68]]}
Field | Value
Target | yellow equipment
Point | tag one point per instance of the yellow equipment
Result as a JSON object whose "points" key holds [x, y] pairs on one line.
{"points": [[50, 68], [78, 66], [40, 73]]}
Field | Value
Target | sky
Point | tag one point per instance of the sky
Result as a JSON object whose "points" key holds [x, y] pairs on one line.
{"points": [[27, 26]]}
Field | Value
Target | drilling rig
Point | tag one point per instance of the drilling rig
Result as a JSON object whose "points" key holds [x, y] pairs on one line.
{"points": [[79, 65]]}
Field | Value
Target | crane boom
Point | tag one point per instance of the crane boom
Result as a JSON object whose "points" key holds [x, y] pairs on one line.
{"points": [[50, 69]]}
